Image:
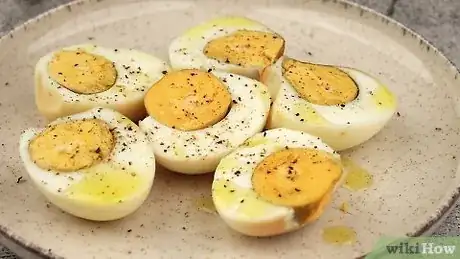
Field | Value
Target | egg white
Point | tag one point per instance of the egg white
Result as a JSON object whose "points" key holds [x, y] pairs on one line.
{"points": [[341, 127], [136, 73], [247, 213], [199, 151], [186, 51], [130, 142]]}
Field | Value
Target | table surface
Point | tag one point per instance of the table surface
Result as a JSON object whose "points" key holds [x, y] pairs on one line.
{"points": [[438, 21]]}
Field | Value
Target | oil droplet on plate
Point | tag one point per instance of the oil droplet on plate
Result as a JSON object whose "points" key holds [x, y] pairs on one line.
{"points": [[339, 235], [206, 204], [357, 177], [344, 207]]}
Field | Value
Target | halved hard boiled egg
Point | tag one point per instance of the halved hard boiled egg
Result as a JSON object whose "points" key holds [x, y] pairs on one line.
{"points": [[276, 182], [232, 44], [95, 165], [197, 117], [343, 106], [78, 78]]}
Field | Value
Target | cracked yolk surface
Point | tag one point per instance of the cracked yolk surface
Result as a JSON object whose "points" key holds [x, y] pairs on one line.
{"points": [[246, 48], [188, 100], [319, 84], [298, 177], [82, 72], [72, 145]]}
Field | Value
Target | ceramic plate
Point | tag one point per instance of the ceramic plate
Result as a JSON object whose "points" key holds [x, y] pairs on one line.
{"points": [[413, 159]]}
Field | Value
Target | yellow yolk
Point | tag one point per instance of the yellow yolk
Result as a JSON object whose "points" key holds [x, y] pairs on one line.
{"points": [[246, 48], [296, 177], [82, 72], [72, 146], [319, 84], [188, 100], [313, 211]]}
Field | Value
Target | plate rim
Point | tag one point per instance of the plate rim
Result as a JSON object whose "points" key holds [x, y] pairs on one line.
{"points": [[434, 219]]}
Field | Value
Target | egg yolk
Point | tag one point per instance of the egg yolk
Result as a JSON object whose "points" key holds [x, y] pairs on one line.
{"points": [[319, 84], [246, 48], [188, 100], [313, 211], [296, 177], [72, 145], [82, 72]]}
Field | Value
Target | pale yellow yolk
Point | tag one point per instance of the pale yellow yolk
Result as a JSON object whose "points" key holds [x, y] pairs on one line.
{"points": [[82, 72], [246, 48], [298, 177], [319, 84], [188, 100], [72, 145]]}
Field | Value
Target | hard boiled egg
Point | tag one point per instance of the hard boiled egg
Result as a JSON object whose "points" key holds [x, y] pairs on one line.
{"points": [[276, 182], [95, 165], [232, 44], [197, 117], [77, 78], [343, 106]]}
